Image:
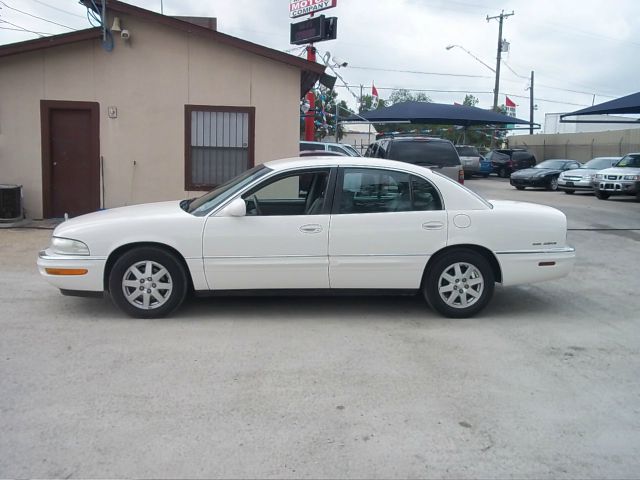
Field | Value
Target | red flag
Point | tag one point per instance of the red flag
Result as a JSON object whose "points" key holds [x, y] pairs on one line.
{"points": [[374, 95], [509, 102]]}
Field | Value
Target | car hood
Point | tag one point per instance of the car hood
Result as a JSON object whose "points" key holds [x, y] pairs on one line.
{"points": [[579, 172], [534, 172], [620, 171]]}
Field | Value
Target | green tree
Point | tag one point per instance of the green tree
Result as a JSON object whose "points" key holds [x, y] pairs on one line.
{"points": [[404, 95], [470, 100], [367, 103]]}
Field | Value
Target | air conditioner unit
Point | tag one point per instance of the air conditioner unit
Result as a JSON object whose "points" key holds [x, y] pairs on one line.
{"points": [[10, 203]]}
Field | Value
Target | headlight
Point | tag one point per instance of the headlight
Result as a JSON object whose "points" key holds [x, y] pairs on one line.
{"points": [[588, 177], [67, 246], [599, 176], [631, 177]]}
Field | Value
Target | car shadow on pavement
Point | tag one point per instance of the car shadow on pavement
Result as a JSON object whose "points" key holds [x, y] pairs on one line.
{"points": [[506, 302]]}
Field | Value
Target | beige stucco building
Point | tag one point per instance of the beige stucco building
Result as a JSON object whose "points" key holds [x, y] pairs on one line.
{"points": [[175, 108]]}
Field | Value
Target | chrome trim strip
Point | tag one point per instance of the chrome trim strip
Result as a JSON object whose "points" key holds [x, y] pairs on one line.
{"points": [[326, 256], [548, 251], [43, 255]]}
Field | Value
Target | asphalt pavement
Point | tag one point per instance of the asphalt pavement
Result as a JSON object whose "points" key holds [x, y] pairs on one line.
{"points": [[544, 383]]}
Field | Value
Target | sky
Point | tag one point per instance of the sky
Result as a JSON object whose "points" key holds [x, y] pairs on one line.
{"points": [[581, 51]]}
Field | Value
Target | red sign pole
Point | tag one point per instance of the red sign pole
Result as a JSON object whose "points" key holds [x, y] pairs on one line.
{"points": [[310, 117]]}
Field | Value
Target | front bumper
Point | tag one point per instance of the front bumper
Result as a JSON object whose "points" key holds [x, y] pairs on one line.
{"points": [[91, 281], [617, 187], [585, 185], [521, 267], [529, 182]]}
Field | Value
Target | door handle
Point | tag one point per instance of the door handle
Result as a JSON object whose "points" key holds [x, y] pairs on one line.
{"points": [[433, 225], [311, 228]]}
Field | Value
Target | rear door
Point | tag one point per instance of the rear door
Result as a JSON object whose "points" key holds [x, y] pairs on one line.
{"points": [[384, 226]]}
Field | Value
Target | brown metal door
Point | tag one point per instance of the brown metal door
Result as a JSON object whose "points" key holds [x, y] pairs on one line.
{"points": [[71, 158]]}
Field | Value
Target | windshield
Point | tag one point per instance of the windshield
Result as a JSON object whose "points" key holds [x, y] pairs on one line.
{"points": [[600, 163], [207, 202], [629, 161], [551, 164], [354, 152], [424, 152], [468, 151]]}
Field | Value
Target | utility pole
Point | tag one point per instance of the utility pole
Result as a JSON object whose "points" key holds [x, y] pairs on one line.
{"points": [[360, 107], [496, 89], [310, 117], [531, 105]]}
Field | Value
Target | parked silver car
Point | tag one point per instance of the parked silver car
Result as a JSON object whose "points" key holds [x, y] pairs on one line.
{"points": [[581, 179], [470, 159], [623, 179], [342, 148]]}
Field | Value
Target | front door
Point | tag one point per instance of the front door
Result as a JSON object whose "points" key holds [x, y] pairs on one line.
{"points": [[70, 158], [282, 241], [384, 227]]}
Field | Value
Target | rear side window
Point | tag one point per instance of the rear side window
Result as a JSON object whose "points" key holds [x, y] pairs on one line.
{"points": [[310, 146], [375, 191], [421, 152], [522, 156]]}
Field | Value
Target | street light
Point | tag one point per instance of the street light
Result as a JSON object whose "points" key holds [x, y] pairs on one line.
{"points": [[449, 47]]}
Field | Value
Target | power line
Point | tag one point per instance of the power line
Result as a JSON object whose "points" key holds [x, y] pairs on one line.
{"points": [[35, 16], [21, 28], [59, 9], [443, 74], [25, 30]]}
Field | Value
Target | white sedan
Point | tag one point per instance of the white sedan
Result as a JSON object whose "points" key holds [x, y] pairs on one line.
{"points": [[312, 224]]}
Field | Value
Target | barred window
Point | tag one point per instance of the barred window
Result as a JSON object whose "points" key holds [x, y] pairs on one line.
{"points": [[219, 144]]}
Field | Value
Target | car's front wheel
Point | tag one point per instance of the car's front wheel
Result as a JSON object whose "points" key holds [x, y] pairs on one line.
{"points": [[148, 282], [459, 283], [553, 184], [503, 172], [602, 195]]}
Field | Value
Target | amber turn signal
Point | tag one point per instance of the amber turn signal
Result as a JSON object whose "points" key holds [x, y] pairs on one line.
{"points": [[66, 271]]}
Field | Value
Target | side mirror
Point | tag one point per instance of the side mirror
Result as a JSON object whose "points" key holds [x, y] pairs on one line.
{"points": [[237, 208]]}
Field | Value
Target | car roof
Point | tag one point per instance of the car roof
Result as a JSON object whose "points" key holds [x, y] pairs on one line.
{"points": [[344, 161]]}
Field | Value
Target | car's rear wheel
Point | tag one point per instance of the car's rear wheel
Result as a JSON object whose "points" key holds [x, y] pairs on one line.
{"points": [[519, 187], [602, 195], [459, 283], [503, 173], [569, 192], [148, 282], [553, 184]]}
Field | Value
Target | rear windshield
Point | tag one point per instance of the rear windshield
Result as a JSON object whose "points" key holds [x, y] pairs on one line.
{"points": [[468, 151], [441, 154]]}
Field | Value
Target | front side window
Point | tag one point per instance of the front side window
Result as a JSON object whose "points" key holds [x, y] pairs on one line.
{"points": [[220, 144], [300, 193], [375, 191]]}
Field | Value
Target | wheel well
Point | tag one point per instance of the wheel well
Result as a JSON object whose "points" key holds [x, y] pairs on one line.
{"points": [[113, 256], [485, 252]]}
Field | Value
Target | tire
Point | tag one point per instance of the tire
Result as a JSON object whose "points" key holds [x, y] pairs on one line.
{"points": [[569, 192], [602, 195], [485, 175], [502, 173], [553, 184], [520, 187], [135, 268], [441, 276]]}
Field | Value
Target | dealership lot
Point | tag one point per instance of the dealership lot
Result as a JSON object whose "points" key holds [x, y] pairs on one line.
{"points": [[543, 383]]}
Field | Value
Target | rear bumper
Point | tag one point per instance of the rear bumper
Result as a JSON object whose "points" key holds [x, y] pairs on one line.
{"points": [[91, 281], [520, 267]]}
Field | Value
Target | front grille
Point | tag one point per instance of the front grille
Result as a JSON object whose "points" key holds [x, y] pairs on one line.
{"points": [[613, 177], [572, 179]]}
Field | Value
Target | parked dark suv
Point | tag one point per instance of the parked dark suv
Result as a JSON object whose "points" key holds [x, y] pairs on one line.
{"points": [[506, 161], [435, 153]]}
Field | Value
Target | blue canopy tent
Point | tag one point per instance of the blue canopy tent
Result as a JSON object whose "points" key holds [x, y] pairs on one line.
{"points": [[435, 114], [623, 105]]}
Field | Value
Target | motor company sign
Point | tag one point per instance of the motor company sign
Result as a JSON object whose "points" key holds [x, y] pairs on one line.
{"points": [[298, 8]]}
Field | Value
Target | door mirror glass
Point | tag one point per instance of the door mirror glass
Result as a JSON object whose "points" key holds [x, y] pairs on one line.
{"points": [[237, 208]]}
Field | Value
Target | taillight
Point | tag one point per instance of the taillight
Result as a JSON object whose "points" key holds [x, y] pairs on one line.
{"points": [[461, 176]]}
